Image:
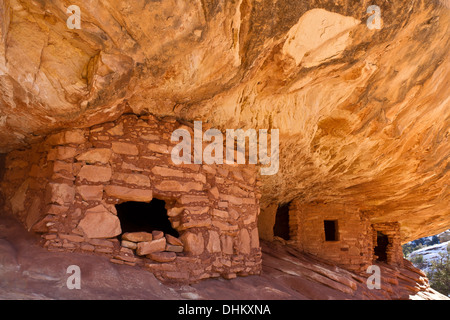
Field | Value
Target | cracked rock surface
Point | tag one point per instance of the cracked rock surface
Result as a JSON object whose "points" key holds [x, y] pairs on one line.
{"points": [[28, 271]]}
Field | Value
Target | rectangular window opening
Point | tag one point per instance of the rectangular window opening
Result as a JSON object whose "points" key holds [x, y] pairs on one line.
{"points": [[331, 230]]}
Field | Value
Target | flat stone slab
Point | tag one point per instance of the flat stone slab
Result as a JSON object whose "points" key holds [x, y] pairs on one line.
{"points": [[172, 248], [144, 248], [173, 240], [137, 236], [162, 256], [129, 244]]}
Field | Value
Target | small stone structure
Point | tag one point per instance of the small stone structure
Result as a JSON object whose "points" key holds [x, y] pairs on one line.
{"points": [[68, 186], [338, 233], [393, 249]]}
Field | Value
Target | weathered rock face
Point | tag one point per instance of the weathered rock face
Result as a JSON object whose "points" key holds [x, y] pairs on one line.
{"points": [[363, 113]]}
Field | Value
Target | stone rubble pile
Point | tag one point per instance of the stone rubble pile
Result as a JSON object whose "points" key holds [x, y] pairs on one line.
{"points": [[156, 246]]}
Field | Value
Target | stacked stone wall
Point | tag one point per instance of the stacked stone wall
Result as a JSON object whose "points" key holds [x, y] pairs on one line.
{"points": [[353, 247], [67, 187]]}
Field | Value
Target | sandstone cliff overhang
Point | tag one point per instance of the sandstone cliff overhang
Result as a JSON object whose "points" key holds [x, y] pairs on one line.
{"points": [[363, 113]]}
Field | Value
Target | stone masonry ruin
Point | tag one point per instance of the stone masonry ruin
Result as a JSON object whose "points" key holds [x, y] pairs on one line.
{"points": [[77, 187], [113, 189], [339, 233]]}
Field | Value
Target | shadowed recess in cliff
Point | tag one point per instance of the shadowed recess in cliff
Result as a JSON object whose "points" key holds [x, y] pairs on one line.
{"points": [[281, 227]]}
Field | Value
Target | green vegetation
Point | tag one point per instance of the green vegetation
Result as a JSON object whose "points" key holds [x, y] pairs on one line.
{"points": [[439, 273], [418, 262]]}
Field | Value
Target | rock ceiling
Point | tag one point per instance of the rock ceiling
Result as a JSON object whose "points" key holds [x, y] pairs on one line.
{"points": [[363, 114]]}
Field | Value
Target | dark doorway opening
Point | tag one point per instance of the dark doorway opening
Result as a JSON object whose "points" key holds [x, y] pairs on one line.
{"points": [[331, 230], [281, 227], [2, 165], [380, 249], [2, 173], [143, 216]]}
